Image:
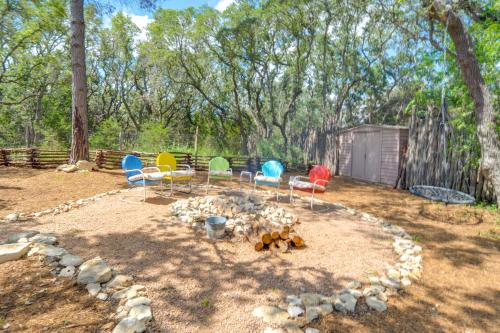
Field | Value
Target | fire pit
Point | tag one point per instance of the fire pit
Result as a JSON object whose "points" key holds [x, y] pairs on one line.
{"points": [[266, 227]]}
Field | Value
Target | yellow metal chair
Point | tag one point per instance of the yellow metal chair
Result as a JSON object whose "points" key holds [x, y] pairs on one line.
{"points": [[175, 172]]}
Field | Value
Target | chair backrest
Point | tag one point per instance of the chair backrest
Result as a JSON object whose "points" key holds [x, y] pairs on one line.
{"points": [[272, 169], [165, 158], [130, 162], [319, 172], [218, 164]]}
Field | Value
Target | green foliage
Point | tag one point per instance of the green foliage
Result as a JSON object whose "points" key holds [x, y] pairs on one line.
{"points": [[264, 77], [107, 135], [152, 137]]}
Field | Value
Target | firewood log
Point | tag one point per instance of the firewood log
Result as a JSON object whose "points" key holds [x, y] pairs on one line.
{"points": [[283, 245], [274, 248], [255, 241], [284, 234], [275, 234], [265, 236], [297, 240]]}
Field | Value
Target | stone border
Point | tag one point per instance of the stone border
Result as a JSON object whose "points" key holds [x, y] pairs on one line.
{"points": [[62, 208], [133, 311]]}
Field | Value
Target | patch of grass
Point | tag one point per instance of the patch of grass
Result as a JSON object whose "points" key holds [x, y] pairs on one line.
{"points": [[493, 234], [417, 238], [490, 207], [205, 302], [74, 231]]}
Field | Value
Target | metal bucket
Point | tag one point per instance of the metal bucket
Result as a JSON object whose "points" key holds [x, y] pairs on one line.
{"points": [[216, 226]]}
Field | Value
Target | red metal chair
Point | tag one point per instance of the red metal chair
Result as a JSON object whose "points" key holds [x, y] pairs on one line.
{"points": [[316, 182]]}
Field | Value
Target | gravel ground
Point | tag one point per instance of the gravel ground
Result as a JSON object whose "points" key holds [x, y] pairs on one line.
{"points": [[202, 286]]}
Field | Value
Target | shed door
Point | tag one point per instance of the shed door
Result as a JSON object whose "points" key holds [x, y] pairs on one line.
{"points": [[373, 156], [358, 155], [366, 156]]}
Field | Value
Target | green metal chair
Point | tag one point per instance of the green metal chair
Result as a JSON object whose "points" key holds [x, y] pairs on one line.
{"points": [[218, 168]]}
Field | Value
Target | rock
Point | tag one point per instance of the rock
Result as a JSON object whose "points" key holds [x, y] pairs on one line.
{"points": [[376, 304], [130, 325], [137, 301], [374, 280], [393, 274], [309, 299], [94, 271], [69, 168], [129, 292], [293, 300], [68, 271], [339, 306], [355, 284], [141, 313], [86, 165], [93, 288], [120, 282], [121, 312], [271, 314], [312, 330], [294, 311], [44, 238], [102, 296], [12, 217], [353, 292], [14, 238], [349, 302], [14, 251], [325, 308], [405, 282], [312, 313], [390, 283], [373, 290], [71, 260]]}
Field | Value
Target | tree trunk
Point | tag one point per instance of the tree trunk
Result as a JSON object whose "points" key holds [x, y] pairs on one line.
{"points": [[79, 133], [483, 101]]}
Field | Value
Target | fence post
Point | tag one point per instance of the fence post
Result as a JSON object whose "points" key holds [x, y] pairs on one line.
{"points": [[99, 158]]}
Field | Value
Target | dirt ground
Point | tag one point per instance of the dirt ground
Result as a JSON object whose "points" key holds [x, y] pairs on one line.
{"points": [[33, 300], [195, 283], [459, 290]]}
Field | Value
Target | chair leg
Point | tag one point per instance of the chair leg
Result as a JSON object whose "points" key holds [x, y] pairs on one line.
{"points": [[144, 191], [312, 199], [208, 183], [291, 194], [278, 192], [171, 187], [254, 187]]}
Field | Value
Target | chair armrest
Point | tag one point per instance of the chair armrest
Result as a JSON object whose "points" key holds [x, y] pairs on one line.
{"points": [[292, 178], [321, 180], [257, 173], [230, 170], [165, 166], [134, 170], [151, 168]]}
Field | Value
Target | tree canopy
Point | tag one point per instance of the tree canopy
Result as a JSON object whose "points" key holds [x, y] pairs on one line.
{"points": [[263, 77]]}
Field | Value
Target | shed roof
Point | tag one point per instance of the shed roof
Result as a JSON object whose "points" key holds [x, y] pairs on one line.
{"points": [[373, 126]]}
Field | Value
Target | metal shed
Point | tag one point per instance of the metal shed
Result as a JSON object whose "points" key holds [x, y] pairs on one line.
{"points": [[372, 152]]}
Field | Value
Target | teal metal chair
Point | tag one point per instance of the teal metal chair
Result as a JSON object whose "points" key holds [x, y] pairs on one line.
{"points": [[270, 175]]}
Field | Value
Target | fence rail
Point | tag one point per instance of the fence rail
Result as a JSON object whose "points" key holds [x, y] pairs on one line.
{"points": [[111, 159]]}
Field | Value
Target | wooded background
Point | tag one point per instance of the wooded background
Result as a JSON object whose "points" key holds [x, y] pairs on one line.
{"points": [[263, 78]]}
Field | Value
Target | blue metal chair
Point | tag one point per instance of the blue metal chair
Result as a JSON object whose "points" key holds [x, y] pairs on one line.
{"points": [[137, 175], [270, 175]]}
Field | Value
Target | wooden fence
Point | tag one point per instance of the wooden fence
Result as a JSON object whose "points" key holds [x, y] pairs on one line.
{"points": [[111, 159], [427, 164]]}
